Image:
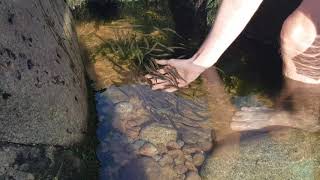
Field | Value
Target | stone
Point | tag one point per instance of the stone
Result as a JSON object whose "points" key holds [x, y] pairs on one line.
{"points": [[274, 154], [157, 151], [179, 160], [43, 94], [116, 95], [146, 168], [162, 149], [157, 157], [192, 176], [191, 166], [132, 133], [198, 159], [180, 169], [180, 143], [175, 153], [166, 160], [30, 177], [190, 149], [137, 144], [158, 134], [148, 150], [188, 157], [34, 162], [123, 108], [199, 137], [173, 145]]}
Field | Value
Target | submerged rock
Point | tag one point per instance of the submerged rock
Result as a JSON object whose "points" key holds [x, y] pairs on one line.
{"points": [[158, 119], [280, 154], [192, 176], [148, 150], [158, 134]]}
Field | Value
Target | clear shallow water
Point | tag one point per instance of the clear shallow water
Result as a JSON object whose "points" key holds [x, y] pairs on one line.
{"points": [[277, 140], [285, 148]]}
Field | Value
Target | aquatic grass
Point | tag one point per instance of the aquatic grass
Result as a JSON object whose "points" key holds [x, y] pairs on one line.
{"points": [[139, 52]]}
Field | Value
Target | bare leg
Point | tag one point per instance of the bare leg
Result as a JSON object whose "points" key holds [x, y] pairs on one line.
{"points": [[299, 104]]}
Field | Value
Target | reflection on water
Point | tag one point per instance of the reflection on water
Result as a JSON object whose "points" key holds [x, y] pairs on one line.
{"points": [[256, 140]]}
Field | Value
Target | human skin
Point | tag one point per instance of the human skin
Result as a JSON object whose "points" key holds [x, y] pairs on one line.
{"points": [[300, 49], [299, 43], [232, 17]]}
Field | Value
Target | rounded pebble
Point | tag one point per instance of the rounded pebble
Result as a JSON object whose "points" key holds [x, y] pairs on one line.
{"points": [[166, 160], [192, 176], [180, 169], [148, 150], [198, 159], [171, 145]]}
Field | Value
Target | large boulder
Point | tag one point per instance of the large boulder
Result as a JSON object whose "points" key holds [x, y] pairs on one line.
{"points": [[43, 96]]}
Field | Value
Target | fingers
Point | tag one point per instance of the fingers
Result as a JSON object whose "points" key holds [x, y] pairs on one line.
{"points": [[160, 85], [163, 62], [158, 81], [171, 89]]}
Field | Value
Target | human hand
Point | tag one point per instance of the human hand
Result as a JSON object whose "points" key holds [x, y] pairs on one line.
{"points": [[176, 73]]}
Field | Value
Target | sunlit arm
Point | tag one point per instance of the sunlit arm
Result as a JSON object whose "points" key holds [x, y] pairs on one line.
{"points": [[231, 19]]}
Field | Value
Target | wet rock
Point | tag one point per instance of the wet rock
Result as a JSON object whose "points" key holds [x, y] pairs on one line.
{"points": [[180, 169], [192, 176], [179, 160], [38, 162], [133, 133], [123, 108], [173, 145], [162, 148], [159, 119], [190, 166], [201, 138], [116, 95], [42, 101], [180, 143], [138, 144], [30, 177], [157, 157], [158, 134], [175, 153], [188, 157], [190, 149], [279, 154], [198, 159], [146, 168], [148, 150], [166, 160]]}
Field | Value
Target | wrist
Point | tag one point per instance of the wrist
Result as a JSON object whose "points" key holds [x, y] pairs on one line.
{"points": [[201, 63]]}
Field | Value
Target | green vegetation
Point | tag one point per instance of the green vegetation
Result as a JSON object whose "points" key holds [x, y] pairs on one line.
{"points": [[138, 51], [212, 9]]}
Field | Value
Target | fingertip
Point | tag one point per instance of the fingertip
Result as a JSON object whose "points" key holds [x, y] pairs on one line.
{"points": [[170, 90], [149, 76], [162, 62]]}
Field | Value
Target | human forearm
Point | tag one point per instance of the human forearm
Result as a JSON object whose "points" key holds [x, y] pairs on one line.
{"points": [[232, 18]]}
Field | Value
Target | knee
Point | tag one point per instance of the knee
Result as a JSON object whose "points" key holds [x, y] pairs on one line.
{"points": [[298, 32]]}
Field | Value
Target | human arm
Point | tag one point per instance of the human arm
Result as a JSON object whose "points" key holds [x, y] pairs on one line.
{"points": [[231, 19]]}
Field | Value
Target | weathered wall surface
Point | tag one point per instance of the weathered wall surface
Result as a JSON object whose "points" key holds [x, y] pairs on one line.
{"points": [[42, 84]]}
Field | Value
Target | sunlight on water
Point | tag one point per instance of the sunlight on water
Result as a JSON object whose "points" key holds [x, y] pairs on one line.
{"points": [[258, 141]]}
